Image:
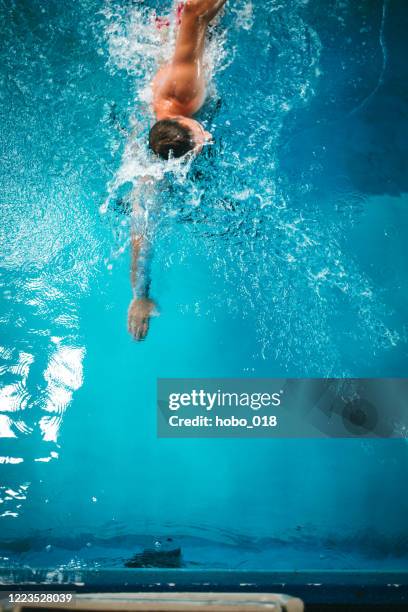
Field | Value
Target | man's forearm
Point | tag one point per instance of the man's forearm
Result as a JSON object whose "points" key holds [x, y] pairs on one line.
{"points": [[140, 266]]}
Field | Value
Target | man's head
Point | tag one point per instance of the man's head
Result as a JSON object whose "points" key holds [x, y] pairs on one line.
{"points": [[177, 136]]}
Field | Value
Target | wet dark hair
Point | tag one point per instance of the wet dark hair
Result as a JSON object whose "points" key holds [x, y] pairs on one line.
{"points": [[168, 136]]}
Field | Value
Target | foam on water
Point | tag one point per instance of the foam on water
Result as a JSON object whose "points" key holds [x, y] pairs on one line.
{"points": [[279, 258], [136, 45], [276, 253]]}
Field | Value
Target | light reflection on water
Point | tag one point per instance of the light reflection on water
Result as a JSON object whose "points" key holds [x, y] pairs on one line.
{"points": [[49, 248]]}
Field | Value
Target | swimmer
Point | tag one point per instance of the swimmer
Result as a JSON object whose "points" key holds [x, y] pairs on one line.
{"points": [[179, 86], [178, 93]]}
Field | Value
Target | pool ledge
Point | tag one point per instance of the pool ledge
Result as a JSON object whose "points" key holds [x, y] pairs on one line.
{"points": [[351, 587]]}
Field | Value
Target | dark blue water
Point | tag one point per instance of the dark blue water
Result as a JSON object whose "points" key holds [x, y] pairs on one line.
{"points": [[279, 252]]}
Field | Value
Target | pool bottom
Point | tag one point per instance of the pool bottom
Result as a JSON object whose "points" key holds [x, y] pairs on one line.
{"points": [[313, 587]]}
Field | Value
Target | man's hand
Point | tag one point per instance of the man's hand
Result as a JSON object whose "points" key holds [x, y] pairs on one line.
{"points": [[139, 313]]}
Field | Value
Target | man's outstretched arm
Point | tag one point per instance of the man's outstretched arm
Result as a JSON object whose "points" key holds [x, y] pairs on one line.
{"points": [[141, 307]]}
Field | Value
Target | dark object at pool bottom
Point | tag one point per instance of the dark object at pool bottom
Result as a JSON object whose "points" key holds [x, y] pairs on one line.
{"points": [[156, 557]]}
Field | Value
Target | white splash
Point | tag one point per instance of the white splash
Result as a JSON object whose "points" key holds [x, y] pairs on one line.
{"points": [[138, 47]]}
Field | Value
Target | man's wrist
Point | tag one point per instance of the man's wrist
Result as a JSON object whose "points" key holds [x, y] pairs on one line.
{"points": [[141, 291]]}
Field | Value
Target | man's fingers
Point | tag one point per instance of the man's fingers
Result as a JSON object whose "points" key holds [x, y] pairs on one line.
{"points": [[139, 332], [145, 328], [133, 328]]}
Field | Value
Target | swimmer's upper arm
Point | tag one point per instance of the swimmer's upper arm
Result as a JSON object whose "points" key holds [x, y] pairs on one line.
{"points": [[144, 200], [187, 44], [195, 17], [138, 216]]}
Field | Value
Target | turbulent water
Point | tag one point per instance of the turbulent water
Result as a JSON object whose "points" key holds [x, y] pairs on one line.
{"points": [[280, 258], [284, 238]]}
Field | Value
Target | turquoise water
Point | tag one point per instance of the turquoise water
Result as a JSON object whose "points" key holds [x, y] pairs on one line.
{"points": [[279, 252]]}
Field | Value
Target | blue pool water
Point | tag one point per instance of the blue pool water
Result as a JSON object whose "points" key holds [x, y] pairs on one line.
{"points": [[279, 252]]}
